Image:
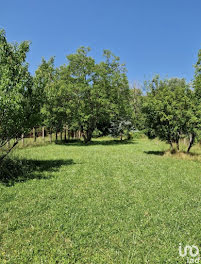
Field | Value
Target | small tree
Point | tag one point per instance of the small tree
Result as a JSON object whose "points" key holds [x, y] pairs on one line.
{"points": [[168, 109]]}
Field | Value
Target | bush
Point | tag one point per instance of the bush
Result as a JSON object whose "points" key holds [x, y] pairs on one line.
{"points": [[138, 135]]}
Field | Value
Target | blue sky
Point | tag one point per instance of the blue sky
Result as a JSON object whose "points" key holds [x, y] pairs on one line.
{"points": [[150, 36]]}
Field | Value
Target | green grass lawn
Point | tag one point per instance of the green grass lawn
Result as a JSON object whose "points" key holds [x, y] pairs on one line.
{"points": [[101, 203]]}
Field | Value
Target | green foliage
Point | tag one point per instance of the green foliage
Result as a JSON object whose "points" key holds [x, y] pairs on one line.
{"points": [[197, 79], [97, 133], [17, 97], [196, 118], [170, 110], [82, 94], [137, 100], [95, 94], [82, 98], [138, 135], [53, 102]]}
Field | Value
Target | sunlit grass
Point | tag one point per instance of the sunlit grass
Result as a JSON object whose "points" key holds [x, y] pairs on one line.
{"points": [[102, 203]]}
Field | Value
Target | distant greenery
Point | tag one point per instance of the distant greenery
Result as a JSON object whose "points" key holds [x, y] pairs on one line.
{"points": [[83, 97], [106, 202]]}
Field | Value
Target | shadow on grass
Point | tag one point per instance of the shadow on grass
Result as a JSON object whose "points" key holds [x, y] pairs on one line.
{"points": [[95, 142], [157, 153], [20, 170]]}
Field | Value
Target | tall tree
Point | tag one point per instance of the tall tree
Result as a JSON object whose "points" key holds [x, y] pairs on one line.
{"points": [[97, 93], [17, 98], [116, 98], [50, 96], [80, 83]]}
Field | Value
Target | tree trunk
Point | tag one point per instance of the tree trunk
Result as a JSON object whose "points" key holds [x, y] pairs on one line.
{"points": [[23, 140], [2, 157], [88, 136], [61, 135], [56, 135], [50, 135], [171, 146], [177, 143], [65, 137], [192, 140], [121, 136], [34, 134], [79, 135], [43, 133], [72, 134]]}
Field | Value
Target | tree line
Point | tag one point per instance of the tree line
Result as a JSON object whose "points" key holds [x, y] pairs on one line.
{"points": [[86, 96]]}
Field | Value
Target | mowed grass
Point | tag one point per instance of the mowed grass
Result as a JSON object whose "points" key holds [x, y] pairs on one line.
{"points": [[101, 203]]}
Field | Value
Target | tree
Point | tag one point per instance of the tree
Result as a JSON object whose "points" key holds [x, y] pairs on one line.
{"points": [[197, 77], [53, 111], [137, 99], [115, 111], [168, 109], [17, 97], [194, 114], [96, 93], [80, 85]]}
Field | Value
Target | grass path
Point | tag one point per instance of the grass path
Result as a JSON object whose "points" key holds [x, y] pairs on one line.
{"points": [[102, 203]]}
